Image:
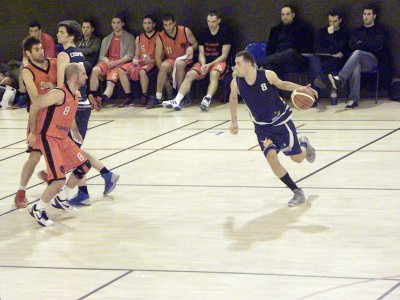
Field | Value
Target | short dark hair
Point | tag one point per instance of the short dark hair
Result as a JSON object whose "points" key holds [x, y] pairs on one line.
{"points": [[168, 17], [34, 23], [247, 56], [336, 12], [292, 8], [119, 16], [151, 17], [90, 21], [213, 13], [72, 27], [372, 7], [29, 42]]}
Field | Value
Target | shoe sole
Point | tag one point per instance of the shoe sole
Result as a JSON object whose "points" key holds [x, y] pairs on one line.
{"points": [[294, 205], [332, 80], [116, 178]]}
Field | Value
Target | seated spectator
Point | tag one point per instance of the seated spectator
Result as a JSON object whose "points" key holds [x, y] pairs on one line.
{"points": [[89, 45], [174, 50], [286, 42], [142, 65], [367, 43], [214, 47], [330, 47], [116, 49]]}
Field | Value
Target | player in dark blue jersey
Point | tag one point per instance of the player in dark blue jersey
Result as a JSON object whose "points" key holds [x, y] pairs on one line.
{"points": [[68, 33], [271, 117]]}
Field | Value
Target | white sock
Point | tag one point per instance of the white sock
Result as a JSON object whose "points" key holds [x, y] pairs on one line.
{"points": [[179, 98], [23, 188], [41, 205], [158, 95], [63, 194]]}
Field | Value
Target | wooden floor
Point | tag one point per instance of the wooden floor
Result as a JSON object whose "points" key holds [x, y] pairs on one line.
{"points": [[198, 214]]}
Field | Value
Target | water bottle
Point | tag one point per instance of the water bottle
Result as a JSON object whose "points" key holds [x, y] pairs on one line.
{"points": [[334, 97]]}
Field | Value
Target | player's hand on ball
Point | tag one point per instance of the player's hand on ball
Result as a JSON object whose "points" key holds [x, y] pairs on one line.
{"points": [[234, 128], [314, 91]]}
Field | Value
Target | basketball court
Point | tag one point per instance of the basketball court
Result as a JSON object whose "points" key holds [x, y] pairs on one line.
{"points": [[198, 214]]}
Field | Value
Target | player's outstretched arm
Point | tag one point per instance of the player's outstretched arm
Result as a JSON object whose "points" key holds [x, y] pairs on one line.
{"points": [[233, 103]]}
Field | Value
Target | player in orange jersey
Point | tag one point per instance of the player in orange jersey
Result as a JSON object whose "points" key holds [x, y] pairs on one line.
{"points": [[143, 63], [39, 76], [51, 118], [175, 44]]}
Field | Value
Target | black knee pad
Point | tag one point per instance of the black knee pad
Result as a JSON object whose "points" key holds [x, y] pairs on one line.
{"points": [[81, 170]]}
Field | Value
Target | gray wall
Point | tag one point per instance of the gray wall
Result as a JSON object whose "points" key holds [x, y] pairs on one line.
{"points": [[252, 22]]}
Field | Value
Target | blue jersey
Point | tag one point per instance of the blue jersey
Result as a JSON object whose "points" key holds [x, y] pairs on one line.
{"points": [[76, 56], [263, 101]]}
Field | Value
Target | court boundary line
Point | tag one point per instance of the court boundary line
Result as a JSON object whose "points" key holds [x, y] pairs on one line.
{"points": [[389, 291]]}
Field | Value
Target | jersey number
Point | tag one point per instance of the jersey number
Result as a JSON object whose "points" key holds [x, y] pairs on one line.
{"points": [[264, 86], [169, 50], [66, 111]]}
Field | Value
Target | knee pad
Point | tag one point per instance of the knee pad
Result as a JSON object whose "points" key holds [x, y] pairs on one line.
{"points": [[81, 170]]}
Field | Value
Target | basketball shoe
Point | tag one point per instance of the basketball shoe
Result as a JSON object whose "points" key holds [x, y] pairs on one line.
{"points": [[111, 180], [205, 103], [40, 216], [310, 156], [298, 198], [63, 204], [172, 104], [81, 199]]}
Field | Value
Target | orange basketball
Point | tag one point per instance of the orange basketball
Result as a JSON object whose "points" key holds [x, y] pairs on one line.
{"points": [[303, 98]]}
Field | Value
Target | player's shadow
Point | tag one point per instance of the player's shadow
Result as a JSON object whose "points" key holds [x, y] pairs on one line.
{"points": [[269, 227]]}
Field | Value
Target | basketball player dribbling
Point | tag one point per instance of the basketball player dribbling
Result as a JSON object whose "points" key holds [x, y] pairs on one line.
{"points": [[271, 117]]}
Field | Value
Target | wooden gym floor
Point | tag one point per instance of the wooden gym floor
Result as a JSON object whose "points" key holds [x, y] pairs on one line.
{"points": [[198, 214]]}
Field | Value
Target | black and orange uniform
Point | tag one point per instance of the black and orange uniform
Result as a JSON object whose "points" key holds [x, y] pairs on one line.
{"points": [[53, 125], [39, 76]]}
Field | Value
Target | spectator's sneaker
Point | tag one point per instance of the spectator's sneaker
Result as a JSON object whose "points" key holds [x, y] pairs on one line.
{"points": [[143, 101], [42, 175], [20, 199], [310, 156], [319, 83], [111, 180], [40, 216], [336, 81], [298, 198], [95, 102], [81, 199], [63, 204], [127, 102], [351, 104], [172, 104], [153, 103], [205, 103]]}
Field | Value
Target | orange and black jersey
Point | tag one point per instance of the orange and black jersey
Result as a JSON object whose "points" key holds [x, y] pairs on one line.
{"points": [[40, 75], [175, 46], [56, 120], [147, 45]]}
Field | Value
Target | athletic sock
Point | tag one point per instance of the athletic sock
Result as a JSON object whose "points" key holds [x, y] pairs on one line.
{"points": [[104, 171], [23, 188], [159, 96], [288, 182], [179, 98], [41, 205], [83, 189], [63, 194]]}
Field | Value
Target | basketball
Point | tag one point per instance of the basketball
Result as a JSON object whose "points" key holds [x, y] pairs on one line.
{"points": [[303, 98]]}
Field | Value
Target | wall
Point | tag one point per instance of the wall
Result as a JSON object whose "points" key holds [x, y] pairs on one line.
{"points": [[251, 20]]}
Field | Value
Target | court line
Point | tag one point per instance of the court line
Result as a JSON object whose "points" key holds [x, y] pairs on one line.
{"points": [[105, 285], [386, 278], [389, 291], [347, 155], [7, 212], [24, 140]]}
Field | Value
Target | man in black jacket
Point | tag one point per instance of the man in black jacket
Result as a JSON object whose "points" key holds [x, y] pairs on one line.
{"points": [[367, 43], [286, 42]]}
